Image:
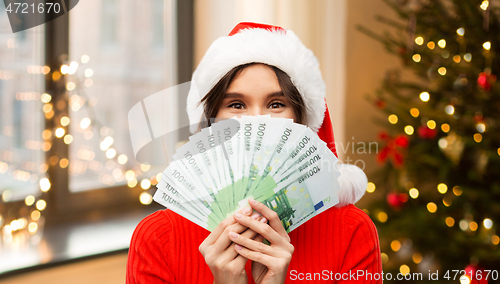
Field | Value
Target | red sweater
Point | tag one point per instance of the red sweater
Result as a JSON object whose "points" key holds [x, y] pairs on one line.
{"points": [[338, 243]]}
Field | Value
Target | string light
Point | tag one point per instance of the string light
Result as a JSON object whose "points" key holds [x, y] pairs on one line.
{"points": [[457, 190], [73, 66], [495, 239], [85, 123], [60, 132], [145, 167], [424, 96], [64, 69], [85, 59], [145, 184], [393, 119], [432, 207], [463, 224], [47, 108], [384, 257], [442, 43], [110, 153], [487, 45], [45, 98], [445, 127], [481, 127], [447, 201], [468, 57], [457, 58], [417, 258], [122, 159], [442, 71], [89, 73], [478, 137], [414, 112], [442, 188], [488, 223], [35, 215], [460, 31], [7, 195], [431, 45], [473, 226], [29, 200], [484, 5], [44, 184], [450, 222], [64, 163], [382, 217], [370, 187], [449, 109], [132, 182], [32, 227], [395, 245], [414, 193], [41, 204], [404, 269], [416, 57], [419, 40], [65, 121], [431, 124], [409, 130], [145, 198], [70, 86], [68, 139]]}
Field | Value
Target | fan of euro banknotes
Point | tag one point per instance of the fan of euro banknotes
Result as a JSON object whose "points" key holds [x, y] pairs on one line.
{"points": [[275, 161]]}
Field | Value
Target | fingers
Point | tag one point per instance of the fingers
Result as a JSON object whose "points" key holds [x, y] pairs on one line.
{"points": [[274, 259], [223, 242], [274, 220], [253, 245], [264, 229], [219, 230]]}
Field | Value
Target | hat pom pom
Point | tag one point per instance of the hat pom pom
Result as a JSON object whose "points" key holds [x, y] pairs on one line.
{"points": [[353, 182]]}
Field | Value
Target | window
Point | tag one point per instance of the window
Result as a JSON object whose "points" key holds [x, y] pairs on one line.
{"points": [[21, 118], [80, 138], [108, 83], [66, 88]]}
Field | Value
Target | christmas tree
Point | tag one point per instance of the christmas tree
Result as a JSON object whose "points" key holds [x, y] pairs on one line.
{"points": [[440, 151]]}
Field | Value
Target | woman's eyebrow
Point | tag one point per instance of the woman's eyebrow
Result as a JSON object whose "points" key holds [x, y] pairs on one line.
{"points": [[239, 96], [276, 94], [233, 95]]}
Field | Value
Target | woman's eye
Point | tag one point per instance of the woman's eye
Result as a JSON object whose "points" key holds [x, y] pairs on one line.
{"points": [[236, 105], [276, 105]]}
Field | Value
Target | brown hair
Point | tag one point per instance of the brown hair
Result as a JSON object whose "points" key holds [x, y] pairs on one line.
{"points": [[213, 99]]}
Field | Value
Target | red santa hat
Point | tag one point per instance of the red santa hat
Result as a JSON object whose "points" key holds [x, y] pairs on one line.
{"points": [[275, 46]]}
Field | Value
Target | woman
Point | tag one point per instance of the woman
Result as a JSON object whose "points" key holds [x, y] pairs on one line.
{"points": [[257, 70]]}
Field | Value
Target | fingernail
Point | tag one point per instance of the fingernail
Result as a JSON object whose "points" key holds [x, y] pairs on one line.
{"points": [[238, 247], [263, 220], [255, 216], [237, 215], [252, 201], [247, 210], [233, 235]]}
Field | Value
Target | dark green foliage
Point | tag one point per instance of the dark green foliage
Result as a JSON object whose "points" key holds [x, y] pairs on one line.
{"points": [[476, 171]]}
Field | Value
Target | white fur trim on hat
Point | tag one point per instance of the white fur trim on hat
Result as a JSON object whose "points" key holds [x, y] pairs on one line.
{"points": [[277, 48], [353, 182]]}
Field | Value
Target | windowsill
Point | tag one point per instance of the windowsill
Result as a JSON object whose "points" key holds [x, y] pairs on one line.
{"points": [[69, 242]]}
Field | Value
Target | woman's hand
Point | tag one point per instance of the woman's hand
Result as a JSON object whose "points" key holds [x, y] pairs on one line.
{"points": [[226, 264], [270, 263]]}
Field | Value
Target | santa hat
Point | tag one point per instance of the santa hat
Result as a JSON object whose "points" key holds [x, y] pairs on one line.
{"points": [[275, 46]]}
